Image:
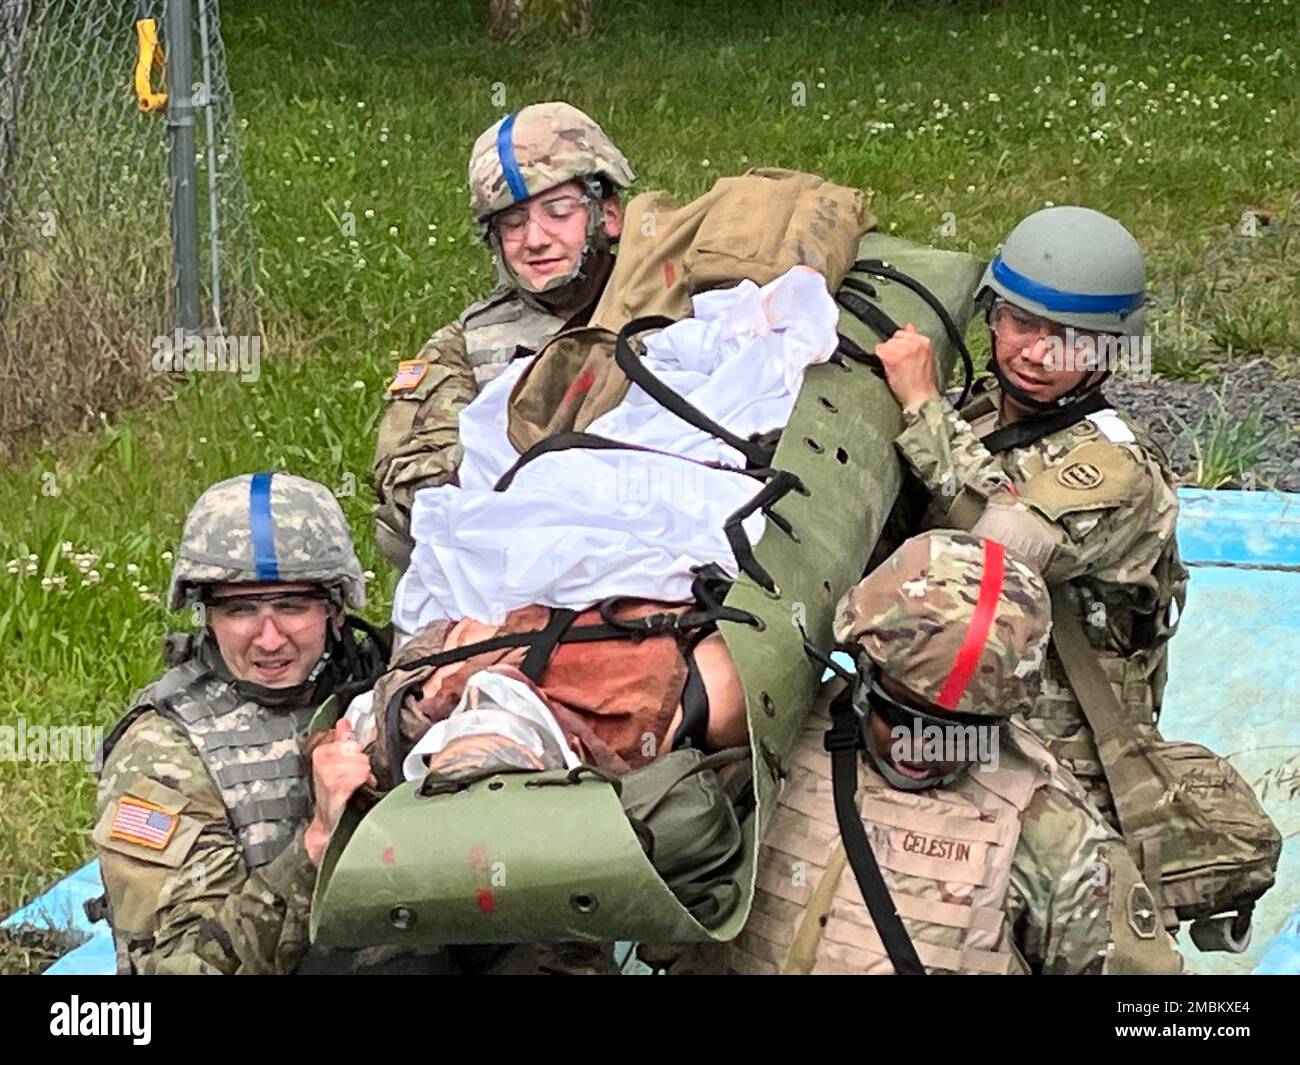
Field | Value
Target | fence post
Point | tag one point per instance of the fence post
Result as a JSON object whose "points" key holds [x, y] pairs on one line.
{"points": [[181, 165]]}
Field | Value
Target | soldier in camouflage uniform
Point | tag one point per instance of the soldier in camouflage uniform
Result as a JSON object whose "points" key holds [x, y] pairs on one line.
{"points": [[205, 829], [991, 853], [544, 186], [1040, 461]]}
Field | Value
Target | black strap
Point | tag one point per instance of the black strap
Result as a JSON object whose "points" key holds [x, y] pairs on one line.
{"points": [[878, 268], [781, 483], [695, 700], [757, 453], [1028, 430], [866, 312], [849, 348], [843, 740], [594, 442], [534, 663]]}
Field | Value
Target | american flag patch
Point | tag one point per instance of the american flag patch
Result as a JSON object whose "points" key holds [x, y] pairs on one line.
{"points": [[137, 821], [409, 374]]}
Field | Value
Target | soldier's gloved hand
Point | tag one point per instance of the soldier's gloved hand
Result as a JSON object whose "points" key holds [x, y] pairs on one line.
{"points": [[908, 361], [338, 768]]}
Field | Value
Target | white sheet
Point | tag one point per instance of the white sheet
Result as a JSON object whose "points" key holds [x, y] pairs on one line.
{"points": [[579, 525]]}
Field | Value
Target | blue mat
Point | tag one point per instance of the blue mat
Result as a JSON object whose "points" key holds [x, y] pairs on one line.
{"points": [[1228, 689]]}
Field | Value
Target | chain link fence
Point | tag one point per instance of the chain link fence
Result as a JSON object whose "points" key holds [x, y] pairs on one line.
{"points": [[90, 275]]}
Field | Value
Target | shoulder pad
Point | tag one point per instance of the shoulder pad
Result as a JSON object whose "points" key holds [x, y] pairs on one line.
{"points": [[1096, 475], [176, 680], [1112, 426]]}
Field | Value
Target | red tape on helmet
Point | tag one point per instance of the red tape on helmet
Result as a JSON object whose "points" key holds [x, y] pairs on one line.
{"points": [[981, 622]]}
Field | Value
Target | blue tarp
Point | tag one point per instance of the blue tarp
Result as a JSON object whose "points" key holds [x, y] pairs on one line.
{"points": [[1229, 689]]}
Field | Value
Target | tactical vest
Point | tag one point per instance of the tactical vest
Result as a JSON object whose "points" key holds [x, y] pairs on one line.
{"points": [[253, 754], [946, 856], [498, 326]]}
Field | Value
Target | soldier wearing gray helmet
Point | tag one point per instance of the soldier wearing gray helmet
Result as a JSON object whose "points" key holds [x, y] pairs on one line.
{"points": [[544, 188], [205, 829], [1041, 462]]}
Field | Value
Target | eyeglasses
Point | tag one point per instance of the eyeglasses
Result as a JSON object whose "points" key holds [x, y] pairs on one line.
{"points": [[512, 223], [290, 610], [1019, 326]]}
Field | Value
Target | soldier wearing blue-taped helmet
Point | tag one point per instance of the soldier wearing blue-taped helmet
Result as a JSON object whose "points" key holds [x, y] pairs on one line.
{"points": [[207, 832], [545, 184], [1040, 461], [1067, 274]]}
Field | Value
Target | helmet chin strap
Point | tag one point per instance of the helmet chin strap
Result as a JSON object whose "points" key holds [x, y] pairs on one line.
{"points": [[574, 290], [897, 780], [1090, 383], [883, 766], [290, 697]]}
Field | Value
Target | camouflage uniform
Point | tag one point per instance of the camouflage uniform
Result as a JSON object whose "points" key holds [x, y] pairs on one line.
{"points": [[1010, 871], [418, 444], [1107, 511], [194, 906], [540, 147], [203, 800]]}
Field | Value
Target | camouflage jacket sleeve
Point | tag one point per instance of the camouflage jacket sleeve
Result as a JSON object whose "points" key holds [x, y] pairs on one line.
{"points": [[1113, 531], [418, 444], [945, 454], [1077, 902], [181, 899]]}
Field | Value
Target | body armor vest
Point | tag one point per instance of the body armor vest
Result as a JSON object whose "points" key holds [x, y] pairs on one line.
{"points": [[253, 754], [946, 856], [498, 326]]}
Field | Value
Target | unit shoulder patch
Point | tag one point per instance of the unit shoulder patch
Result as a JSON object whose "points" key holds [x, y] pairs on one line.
{"points": [[1080, 476], [1096, 475]]}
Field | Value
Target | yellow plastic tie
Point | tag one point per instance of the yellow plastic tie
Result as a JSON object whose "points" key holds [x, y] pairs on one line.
{"points": [[150, 56]]}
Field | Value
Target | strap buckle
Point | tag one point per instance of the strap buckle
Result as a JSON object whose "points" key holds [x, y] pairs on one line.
{"points": [[640, 628]]}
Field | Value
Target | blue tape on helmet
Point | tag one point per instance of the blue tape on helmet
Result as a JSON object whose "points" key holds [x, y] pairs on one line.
{"points": [[1055, 299], [506, 153], [259, 519]]}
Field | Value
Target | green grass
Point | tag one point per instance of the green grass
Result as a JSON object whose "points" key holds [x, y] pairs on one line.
{"points": [[1226, 449], [966, 108]]}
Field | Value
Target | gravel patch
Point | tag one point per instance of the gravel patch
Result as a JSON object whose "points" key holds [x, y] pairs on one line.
{"points": [[1252, 387]]}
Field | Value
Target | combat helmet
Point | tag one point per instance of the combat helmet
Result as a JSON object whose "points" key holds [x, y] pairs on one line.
{"points": [[537, 148], [1075, 266], [957, 621], [266, 527]]}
